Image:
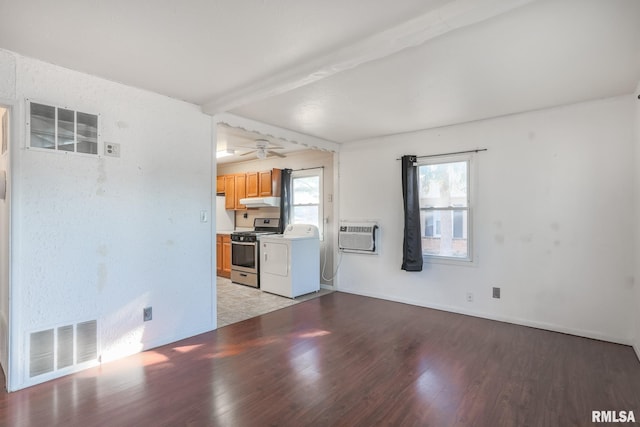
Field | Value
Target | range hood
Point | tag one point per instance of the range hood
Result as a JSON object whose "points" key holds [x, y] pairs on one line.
{"points": [[261, 202]]}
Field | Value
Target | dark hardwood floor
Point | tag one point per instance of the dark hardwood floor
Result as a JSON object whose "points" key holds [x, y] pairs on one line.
{"points": [[346, 360]]}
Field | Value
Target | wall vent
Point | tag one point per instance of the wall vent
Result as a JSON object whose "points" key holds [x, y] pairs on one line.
{"points": [[62, 347], [87, 341], [65, 347], [41, 353]]}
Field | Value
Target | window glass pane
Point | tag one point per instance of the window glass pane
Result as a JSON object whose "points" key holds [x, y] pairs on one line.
{"points": [[432, 223], [443, 184], [306, 190], [458, 226], [66, 130], [306, 198], [43, 126], [87, 133], [306, 215], [448, 233]]}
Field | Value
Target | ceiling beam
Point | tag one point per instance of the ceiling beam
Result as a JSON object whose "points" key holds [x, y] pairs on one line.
{"points": [[454, 15], [267, 130]]}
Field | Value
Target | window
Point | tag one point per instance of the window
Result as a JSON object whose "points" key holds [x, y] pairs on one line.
{"points": [[306, 198], [445, 208], [61, 129]]}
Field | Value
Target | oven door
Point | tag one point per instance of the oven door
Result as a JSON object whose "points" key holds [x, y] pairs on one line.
{"points": [[244, 256]]}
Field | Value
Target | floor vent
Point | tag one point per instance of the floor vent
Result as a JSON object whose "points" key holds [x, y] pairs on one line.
{"points": [[62, 347]]}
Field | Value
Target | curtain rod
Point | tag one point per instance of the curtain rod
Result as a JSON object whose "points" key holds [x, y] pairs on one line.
{"points": [[450, 154], [306, 169]]}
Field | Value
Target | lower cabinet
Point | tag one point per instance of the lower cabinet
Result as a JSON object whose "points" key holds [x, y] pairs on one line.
{"points": [[223, 255]]}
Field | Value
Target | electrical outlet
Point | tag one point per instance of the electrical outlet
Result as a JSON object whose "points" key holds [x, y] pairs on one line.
{"points": [[147, 314], [111, 149], [469, 296], [496, 293]]}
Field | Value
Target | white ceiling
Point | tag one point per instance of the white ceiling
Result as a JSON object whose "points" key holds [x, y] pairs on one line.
{"points": [[343, 70], [242, 143]]}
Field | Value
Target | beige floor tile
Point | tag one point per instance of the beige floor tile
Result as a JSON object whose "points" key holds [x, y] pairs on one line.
{"points": [[238, 302]]}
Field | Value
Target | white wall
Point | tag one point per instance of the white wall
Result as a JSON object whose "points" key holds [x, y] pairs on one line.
{"points": [[5, 207], [636, 309], [100, 237], [553, 219], [7, 95]]}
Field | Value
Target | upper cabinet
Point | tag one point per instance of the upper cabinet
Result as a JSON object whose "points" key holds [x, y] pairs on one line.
{"points": [[241, 190], [253, 184], [229, 192], [250, 184], [220, 184], [269, 183]]}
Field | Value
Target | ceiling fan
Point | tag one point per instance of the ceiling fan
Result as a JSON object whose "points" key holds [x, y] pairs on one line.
{"points": [[263, 148]]}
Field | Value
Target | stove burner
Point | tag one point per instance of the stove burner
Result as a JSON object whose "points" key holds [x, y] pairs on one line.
{"points": [[261, 227]]}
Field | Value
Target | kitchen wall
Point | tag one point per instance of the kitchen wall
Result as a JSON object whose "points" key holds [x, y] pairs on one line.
{"points": [[100, 238], [295, 160], [553, 219], [5, 209], [636, 309]]}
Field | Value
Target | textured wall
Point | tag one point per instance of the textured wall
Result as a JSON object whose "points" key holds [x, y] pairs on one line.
{"points": [[7, 75], [100, 237], [4, 246], [636, 310], [553, 219]]}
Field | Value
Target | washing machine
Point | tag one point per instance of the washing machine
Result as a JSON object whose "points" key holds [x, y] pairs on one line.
{"points": [[290, 262]]}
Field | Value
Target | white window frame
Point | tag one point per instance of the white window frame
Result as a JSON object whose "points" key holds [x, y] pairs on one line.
{"points": [[319, 172], [470, 259], [55, 149]]}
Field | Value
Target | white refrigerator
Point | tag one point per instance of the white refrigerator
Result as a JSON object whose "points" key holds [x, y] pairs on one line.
{"points": [[225, 220]]}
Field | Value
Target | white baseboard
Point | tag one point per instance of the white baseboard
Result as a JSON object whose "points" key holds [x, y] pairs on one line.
{"points": [[636, 347], [506, 319]]}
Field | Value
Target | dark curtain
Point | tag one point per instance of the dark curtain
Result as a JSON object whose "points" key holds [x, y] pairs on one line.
{"points": [[285, 198], [412, 244]]}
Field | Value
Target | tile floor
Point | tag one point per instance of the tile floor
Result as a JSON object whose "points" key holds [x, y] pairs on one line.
{"points": [[239, 302]]}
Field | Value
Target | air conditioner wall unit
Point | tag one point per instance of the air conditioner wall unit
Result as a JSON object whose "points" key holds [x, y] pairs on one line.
{"points": [[358, 237]]}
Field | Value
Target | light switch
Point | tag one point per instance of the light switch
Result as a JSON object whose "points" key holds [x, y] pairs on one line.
{"points": [[204, 216]]}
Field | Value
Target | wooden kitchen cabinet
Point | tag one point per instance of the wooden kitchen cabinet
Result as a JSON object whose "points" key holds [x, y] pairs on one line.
{"points": [[218, 254], [220, 184], [240, 190], [226, 255], [253, 183], [235, 188], [223, 255], [230, 192], [269, 183]]}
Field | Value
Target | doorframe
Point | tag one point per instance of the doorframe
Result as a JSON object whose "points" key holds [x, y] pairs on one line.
{"points": [[11, 106]]}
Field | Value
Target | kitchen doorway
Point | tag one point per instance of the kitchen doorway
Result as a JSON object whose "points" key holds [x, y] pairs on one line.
{"points": [[238, 153]]}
